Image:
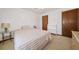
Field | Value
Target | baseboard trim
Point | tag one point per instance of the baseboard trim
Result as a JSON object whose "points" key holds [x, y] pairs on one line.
{"points": [[56, 34]]}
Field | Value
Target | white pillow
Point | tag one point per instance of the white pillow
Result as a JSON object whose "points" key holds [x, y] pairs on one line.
{"points": [[26, 27]]}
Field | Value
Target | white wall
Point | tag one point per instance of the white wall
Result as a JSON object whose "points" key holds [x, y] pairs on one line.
{"points": [[54, 20], [18, 17], [40, 22]]}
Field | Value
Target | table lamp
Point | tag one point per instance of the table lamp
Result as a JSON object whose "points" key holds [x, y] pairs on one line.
{"points": [[5, 26]]}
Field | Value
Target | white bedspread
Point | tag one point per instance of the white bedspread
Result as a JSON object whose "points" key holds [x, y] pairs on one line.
{"points": [[30, 39]]}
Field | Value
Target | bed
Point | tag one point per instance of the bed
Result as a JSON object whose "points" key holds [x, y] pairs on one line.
{"points": [[30, 39]]}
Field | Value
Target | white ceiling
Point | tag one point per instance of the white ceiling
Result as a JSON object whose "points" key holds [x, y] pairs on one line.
{"points": [[40, 10]]}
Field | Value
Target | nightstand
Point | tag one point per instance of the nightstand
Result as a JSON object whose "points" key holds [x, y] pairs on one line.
{"points": [[7, 35]]}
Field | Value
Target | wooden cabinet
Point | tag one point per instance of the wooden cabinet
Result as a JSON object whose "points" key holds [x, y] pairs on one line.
{"points": [[70, 22], [78, 19]]}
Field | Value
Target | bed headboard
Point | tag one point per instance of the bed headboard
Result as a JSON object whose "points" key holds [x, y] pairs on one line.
{"points": [[26, 27]]}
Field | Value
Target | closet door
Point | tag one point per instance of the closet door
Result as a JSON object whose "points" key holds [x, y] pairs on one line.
{"points": [[69, 22], [78, 19]]}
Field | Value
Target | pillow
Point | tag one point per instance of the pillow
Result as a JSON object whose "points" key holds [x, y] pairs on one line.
{"points": [[26, 27]]}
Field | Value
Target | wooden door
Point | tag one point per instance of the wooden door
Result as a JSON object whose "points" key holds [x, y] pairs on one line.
{"points": [[44, 22], [78, 19], [69, 22]]}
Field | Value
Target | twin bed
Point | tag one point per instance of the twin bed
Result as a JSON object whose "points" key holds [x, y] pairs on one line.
{"points": [[30, 39]]}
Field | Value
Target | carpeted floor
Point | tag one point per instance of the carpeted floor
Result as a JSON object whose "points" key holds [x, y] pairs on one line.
{"points": [[56, 43], [59, 43], [6, 45]]}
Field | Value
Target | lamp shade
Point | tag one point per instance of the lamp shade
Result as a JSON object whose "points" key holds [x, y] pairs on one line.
{"points": [[5, 25]]}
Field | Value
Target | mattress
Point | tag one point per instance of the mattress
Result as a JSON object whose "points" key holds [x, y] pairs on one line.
{"points": [[30, 39]]}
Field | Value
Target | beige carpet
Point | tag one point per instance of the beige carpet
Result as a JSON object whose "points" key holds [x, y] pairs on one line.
{"points": [[6, 45], [59, 43], [56, 43]]}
